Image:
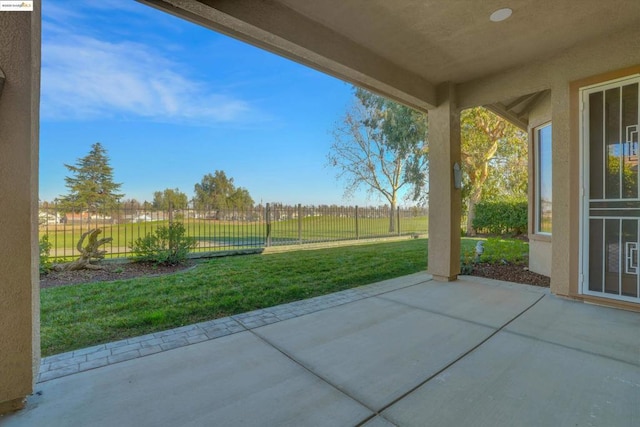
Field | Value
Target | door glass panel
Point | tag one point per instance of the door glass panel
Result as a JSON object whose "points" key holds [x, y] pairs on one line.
{"points": [[612, 258], [630, 141], [630, 261], [612, 141], [595, 254], [596, 145]]}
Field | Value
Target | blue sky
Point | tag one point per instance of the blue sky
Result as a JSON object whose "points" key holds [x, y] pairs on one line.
{"points": [[171, 102]]}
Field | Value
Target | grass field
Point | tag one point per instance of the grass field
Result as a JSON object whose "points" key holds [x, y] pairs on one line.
{"points": [[83, 315]]}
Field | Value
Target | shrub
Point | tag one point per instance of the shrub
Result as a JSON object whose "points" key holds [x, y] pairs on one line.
{"points": [[167, 245], [501, 217], [45, 248]]}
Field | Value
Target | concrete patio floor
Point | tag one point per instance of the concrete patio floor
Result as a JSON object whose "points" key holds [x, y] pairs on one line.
{"points": [[409, 352]]}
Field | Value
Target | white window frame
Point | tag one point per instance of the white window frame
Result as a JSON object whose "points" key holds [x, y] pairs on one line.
{"points": [[536, 186]]}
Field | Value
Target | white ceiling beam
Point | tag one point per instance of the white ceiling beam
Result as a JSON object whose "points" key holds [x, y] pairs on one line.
{"points": [[510, 116]]}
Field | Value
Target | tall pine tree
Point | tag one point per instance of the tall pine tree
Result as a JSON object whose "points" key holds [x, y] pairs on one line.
{"points": [[91, 186]]}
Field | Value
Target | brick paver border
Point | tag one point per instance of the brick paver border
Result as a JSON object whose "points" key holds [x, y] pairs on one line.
{"points": [[64, 364]]}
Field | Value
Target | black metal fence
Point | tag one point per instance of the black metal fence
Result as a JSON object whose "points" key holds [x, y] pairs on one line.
{"points": [[228, 229]]}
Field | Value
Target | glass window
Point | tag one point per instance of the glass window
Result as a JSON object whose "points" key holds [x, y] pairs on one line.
{"points": [[543, 195]]}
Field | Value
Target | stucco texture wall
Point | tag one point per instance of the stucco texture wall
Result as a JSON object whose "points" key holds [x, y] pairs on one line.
{"points": [[445, 199], [19, 293], [614, 52]]}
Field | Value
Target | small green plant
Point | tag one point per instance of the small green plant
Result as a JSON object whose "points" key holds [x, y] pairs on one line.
{"points": [[45, 248], [468, 260], [166, 245], [505, 251]]}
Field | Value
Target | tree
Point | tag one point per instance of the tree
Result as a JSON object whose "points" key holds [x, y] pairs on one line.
{"points": [[381, 145], [132, 205], [91, 186], [170, 199], [217, 192], [493, 152], [240, 199]]}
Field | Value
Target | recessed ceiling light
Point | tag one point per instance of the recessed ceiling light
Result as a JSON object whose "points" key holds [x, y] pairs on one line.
{"points": [[501, 14]]}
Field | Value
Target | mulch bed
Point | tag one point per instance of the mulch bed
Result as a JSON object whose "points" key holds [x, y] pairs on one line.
{"points": [[518, 273], [110, 273]]}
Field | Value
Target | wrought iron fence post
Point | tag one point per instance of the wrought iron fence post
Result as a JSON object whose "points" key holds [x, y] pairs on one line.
{"points": [[357, 225], [398, 221], [268, 223], [300, 223]]}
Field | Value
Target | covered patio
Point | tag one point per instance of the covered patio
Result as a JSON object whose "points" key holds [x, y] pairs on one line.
{"points": [[407, 352], [495, 354]]}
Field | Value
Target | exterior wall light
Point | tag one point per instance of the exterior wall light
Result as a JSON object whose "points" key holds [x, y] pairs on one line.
{"points": [[1, 81], [500, 15], [457, 176]]}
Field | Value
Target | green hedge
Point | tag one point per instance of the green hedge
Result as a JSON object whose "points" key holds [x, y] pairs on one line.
{"points": [[501, 217]]}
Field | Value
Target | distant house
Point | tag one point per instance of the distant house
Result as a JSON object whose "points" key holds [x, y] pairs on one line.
{"points": [[142, 218], [49, 218]]}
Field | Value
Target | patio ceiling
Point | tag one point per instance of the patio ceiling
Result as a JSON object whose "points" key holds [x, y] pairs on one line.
{"points": [[404, 49]]}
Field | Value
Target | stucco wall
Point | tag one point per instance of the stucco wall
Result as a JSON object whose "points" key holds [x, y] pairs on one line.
{"points": [[614, 52], [540, 257], [19, 293]]}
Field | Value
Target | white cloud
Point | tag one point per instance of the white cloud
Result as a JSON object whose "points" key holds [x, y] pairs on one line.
{"points": [[86, 78]]}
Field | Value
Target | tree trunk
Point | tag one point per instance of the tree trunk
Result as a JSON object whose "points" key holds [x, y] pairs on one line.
{"points": [[392, 217], [87, 253], [471, 214], [477, 183]]}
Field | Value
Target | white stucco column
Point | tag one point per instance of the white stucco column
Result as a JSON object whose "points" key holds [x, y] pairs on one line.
{"points": [[445, 200], [19, 284]]}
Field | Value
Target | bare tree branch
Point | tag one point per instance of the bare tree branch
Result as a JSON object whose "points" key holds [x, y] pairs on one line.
{"points": [[381, 146]]}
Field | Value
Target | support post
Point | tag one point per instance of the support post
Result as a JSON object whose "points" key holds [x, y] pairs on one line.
{"points": [[19, 284], [445, 201]]}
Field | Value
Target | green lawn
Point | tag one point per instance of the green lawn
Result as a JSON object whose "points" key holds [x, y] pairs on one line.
{"points": [[83, 315]]}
